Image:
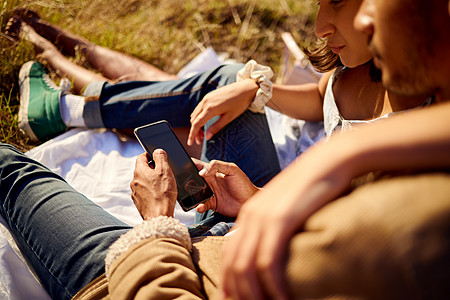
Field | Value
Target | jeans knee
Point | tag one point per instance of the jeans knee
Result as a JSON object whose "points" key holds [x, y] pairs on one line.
{"points": [[229, 71]]}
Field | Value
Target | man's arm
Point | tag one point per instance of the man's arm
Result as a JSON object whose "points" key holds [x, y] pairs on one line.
{"points": [[153, 261], [416, 141]]}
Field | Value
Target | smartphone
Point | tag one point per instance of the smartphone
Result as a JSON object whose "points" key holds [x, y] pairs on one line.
{"points": [[192, 188]]}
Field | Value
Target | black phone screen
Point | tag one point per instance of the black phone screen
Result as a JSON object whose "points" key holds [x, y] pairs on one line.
{"points": [[192, 188]]}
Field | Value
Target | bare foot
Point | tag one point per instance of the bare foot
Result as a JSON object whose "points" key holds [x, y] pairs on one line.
{"points": [[25, 13], [67, 42], [44, 49], [16, 29], [12, 29]]}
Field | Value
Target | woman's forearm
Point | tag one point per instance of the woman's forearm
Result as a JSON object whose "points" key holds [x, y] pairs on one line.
{"points": [[304, 102], [298, 101]]}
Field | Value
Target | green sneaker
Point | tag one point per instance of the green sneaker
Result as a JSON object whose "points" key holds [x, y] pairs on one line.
{"points": [[39, 113]]}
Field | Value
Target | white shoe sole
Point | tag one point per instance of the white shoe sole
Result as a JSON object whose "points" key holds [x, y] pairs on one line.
{"points": [[24, 84]]}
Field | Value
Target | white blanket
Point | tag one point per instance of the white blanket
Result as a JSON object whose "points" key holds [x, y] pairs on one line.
{"points": [[100, 164]]}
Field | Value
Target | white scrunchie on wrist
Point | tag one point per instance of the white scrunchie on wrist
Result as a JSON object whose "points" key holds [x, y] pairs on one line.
{"points": [[261, 75]]}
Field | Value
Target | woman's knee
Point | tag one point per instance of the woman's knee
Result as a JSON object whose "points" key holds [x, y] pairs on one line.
{"points": [[229, 71]]}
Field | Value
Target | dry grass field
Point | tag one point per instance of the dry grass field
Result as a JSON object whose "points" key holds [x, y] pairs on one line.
{"points": [[165, 33]]}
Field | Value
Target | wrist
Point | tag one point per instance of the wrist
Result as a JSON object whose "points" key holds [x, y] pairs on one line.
{"points": [[261, 75], [154, 213], [163, 208], [249, 88]]}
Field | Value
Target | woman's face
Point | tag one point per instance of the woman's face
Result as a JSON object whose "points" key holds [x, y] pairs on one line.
{"points": [[335, 23]]}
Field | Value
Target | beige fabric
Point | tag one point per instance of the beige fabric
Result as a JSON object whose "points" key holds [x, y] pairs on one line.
{"points": [[207, 256], [161, 226], [386, 240], [158, 268], [96, 290]]}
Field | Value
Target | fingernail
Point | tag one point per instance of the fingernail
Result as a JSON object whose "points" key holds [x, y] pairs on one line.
{"points": [[202, 172], [151, 164]]}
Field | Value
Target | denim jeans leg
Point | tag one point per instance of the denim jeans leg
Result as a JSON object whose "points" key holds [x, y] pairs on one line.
{"points": [[136, 103], [62, 234]]}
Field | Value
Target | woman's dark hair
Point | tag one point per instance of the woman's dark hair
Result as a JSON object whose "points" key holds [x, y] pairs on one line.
{"points": [[324, 60], [321, 57]]}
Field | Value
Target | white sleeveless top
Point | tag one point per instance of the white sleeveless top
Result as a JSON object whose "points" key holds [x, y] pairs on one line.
{"points": [[333, 120], [296, 136]]}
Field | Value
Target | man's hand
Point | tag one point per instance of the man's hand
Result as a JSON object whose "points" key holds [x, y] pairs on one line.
{"points": [[154, 189], [230, 185], [228, 102]]}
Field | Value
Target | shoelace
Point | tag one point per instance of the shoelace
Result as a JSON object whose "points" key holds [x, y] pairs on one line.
{"points": [[50, 82]]}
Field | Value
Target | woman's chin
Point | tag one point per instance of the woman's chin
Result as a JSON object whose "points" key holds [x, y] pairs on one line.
{"points": [[349, 63]]}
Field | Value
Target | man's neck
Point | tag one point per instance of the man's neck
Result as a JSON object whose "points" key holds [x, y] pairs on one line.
{"points": [[400, 103]]}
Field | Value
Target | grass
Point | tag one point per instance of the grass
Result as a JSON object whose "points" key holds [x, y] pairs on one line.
{"points": [[166, 33]]}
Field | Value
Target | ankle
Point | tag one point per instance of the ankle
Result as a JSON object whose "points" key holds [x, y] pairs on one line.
{"points": [[47, 55], [72, 107]]}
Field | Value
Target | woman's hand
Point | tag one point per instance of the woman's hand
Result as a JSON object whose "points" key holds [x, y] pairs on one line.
{"points": [[230, 185], [154, 190], [228, 102]]}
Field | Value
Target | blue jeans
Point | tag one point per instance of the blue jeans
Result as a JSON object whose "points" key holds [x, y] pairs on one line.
{"points": [[131, 104], [62, 234]]}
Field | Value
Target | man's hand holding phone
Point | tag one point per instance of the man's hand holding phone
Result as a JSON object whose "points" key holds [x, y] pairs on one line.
{"points": [[192, 188], [154, 190]]}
